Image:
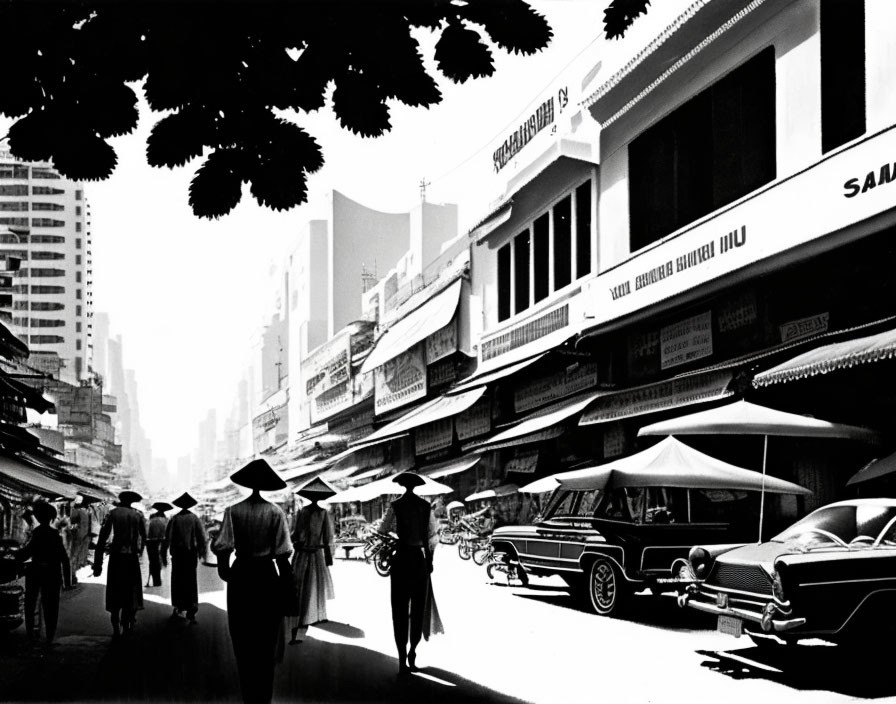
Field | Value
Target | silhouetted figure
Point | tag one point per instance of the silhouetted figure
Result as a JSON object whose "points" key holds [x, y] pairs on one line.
{"points": [[186, 540], [312, 540], [79, 532], [257, 532], [411, 518], [124, 585], [154, 541], [47, 572]]}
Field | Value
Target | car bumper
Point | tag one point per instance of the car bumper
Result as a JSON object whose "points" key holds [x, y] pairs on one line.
{"points": [[772, 618]]}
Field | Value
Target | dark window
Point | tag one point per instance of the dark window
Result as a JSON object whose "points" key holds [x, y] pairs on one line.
{"points": [[562, 243], [521, 271], [78, 243], [712, 150], [78, 226], [42, 323], [46, 305], [78, 294], [78, 344], [47, 222], [77, 259], [78, 310], [78, 276], [16, 190], [43, 273], [78, 194], [77, 210], [842, 72], [504, 282], [46, 191], [47, 255], [13, 171], [540, 253], [47, 206], [45, 339], [583, 229], [14, 205], [40, 172], [47, 289], [48, 239], [21, 222]]}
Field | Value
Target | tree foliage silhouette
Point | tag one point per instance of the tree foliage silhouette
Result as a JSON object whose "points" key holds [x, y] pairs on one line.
{"points": [[621, 14], [223, 71]]}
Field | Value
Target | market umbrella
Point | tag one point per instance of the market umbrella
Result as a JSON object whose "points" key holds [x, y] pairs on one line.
{"points": [[671, 463], [453, 505], [744, 418], [504, 490], [384, 487], [874, 469]]}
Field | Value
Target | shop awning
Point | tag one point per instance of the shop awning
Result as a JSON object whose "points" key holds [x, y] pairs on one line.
{"points": [[497, 492], [367, 474], [546, 343], [437, 409], [540, 436], [23, 474], [661, 396], [455, 466], [829, 358], [362, 445], [415, 327], [492, 221], [486, 376], [546, 418]]}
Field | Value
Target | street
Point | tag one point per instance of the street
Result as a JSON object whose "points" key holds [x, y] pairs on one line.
{"points": [[501, 644]]}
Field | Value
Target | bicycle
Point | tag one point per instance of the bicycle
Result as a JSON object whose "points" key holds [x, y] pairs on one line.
{"points": [[502, 562], [381, 551]]}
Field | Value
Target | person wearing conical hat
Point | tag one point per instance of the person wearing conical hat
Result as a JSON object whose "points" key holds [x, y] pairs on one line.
{"points": [[124, 584], [155, 537], [255, 532], [313, 542], [185, 538], [412, 519]]}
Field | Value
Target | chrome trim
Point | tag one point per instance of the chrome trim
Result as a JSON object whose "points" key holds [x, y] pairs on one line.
{"points": [[777, 625], [756, 595], [542, 557], [848, 581]]}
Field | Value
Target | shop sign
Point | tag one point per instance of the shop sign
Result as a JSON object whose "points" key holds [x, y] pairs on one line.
{"points": [[269, 429], [686, 341], [805, 327], [525, 462], [332, 401], [846, 188], [400, 381], [443, 372], [442, 343], [430, 437], [614, 440], [543, 117], [554, 387], [738, 313], [476, 420], [328, 365], [658, 397]]}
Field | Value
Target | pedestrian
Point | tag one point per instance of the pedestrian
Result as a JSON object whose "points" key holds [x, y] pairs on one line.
{"points": [[47, 572], [124, 584], [79, 530], [411, 518], [155, 539], [313, 543], [256, 530], [187, 542]]}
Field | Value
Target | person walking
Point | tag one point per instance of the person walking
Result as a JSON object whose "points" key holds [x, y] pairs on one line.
{"points": [[256, 531], [79, 530], [124, 585], [411, 518], [187, 542], [313, 542], [47, 572], [155, 539]]}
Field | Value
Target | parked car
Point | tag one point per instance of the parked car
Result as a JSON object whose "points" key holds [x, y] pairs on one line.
{"points": [[629, 524], [831, 575]]}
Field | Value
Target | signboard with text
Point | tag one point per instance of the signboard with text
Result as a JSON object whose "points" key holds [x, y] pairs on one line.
{"points": [[686, 341], [552, 388], [401, 380]]}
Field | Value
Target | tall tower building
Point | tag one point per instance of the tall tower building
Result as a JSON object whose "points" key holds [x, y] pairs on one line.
{"points": [[45, 221]]}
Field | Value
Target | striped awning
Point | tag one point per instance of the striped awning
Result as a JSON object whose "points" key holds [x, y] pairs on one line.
{"points": [[829, 358], [21, 474]]}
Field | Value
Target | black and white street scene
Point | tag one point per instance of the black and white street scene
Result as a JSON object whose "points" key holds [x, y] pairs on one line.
{"points": [[446, 351]]}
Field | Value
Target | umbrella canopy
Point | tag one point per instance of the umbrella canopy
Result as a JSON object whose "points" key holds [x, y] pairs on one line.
{"points": [[454, 504], [671, 463], [744, 418], [505, 490], [543, 485], [874, 469], [384, 487]]}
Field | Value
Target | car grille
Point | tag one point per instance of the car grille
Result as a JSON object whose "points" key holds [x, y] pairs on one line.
{"points": [[745, 578]]}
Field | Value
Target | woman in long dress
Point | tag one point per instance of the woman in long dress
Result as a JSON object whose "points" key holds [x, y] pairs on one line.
{"points": [[313, 542], [256, 530]]}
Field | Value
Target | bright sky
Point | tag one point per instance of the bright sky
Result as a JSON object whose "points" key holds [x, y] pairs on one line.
{"points": [[187, 294]]}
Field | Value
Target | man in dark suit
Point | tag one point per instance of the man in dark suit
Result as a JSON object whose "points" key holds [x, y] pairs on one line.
{"points": [[412, 519]]}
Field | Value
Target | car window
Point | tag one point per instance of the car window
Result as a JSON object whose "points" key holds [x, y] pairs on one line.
{"points": [[621, 505], [562, 504], [666, 505], [844, 522], [589, 503]]}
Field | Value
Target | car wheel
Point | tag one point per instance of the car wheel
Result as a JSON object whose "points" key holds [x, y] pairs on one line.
{"points": [[382, 564], [606, 588]]}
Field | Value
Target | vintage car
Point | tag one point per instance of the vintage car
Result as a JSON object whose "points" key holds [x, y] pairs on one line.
{"points": [[831, 575], [627, 525]]}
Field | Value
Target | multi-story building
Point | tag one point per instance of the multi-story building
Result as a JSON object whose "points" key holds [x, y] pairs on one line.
{"points": [[45, 222]]}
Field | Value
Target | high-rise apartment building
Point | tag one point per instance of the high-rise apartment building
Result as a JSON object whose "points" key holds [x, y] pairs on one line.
{"points": [[45, 222]]}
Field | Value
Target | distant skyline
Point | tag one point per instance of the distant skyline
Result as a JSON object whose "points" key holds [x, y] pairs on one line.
{"points": [[187, 295]]}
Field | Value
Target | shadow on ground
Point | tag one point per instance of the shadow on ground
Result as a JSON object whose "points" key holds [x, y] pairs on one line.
{"points": [[809, 667]]}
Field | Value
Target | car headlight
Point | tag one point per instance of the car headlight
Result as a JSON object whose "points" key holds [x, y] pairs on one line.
{"points": [[700, 562], [777, 586]]}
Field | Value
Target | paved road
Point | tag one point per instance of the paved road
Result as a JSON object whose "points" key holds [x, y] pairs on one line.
{"points": [[503, 644]]}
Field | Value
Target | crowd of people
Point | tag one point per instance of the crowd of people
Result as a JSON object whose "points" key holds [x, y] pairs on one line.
{"points": [[277, 576]]}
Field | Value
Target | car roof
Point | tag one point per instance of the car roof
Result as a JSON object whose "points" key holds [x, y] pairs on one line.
{"points": [[862, 502]]}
